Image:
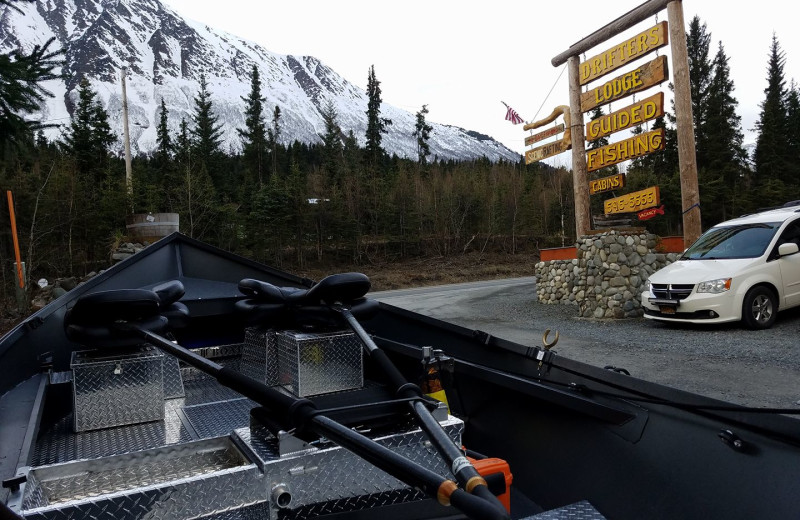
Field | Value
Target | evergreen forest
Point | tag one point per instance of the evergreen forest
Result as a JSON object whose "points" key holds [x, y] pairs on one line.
{"points": [[290, 204]]}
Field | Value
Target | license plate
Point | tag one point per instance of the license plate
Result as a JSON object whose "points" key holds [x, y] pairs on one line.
{"points": [[667, 309]]}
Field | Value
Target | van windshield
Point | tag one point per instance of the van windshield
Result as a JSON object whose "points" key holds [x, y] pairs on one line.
{"points": [[742, 241]]}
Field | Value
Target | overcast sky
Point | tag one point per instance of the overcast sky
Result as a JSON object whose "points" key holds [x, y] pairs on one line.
{"points": [[462, 58]]}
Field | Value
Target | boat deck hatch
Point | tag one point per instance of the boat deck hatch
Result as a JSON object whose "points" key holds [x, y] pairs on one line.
{"points": [[51, 485]]}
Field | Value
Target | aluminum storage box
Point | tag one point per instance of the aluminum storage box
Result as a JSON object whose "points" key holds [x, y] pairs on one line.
{"points": [[314, 363], [259, 357], [116, 389]]}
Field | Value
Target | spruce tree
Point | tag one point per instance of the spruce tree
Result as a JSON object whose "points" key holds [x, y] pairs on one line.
{"points": [[254, 135], [376, 125], [78, 139], [698, 40], [163, 139], [183, 144], [273, 137], [193, 195], [21, 90], [89, 134], [770, 157], [422, 131], [162, 178], [793, 132], [331, 142], [101, 194], [724, 153], [207, 135]]}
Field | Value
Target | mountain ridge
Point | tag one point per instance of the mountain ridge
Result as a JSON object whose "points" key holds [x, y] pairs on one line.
{"points": [[165, 54]]}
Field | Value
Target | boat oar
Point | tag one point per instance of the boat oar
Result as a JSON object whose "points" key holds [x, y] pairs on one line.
{"points": [[465, 473], [133, 315]]}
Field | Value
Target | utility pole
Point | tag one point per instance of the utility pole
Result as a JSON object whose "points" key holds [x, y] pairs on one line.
{"points": [[127, 138]]}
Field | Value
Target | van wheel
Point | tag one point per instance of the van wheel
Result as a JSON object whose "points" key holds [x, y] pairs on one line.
{"points": [[760, 308]]}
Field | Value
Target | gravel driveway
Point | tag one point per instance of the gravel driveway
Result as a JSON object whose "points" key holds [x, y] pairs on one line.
{"points": [[727, 362]]}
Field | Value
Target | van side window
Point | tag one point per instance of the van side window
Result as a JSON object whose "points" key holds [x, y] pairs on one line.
{"points": [[791, 233]]}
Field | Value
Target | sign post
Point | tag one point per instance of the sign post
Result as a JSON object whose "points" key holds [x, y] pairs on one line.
{"points": [[687, 156], [649, 74], [579, 173]]}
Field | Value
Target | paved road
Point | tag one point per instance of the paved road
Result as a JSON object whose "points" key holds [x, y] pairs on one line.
{"points": [[756, 368]]}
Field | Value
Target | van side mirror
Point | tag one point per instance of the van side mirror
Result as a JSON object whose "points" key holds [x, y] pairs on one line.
{"points": [[788, 248]]}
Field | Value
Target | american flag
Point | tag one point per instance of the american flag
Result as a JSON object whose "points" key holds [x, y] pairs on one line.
{"points": [[511, 115]]}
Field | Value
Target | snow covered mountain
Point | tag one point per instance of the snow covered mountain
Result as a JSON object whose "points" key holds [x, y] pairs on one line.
{"points": [[165, 55]]}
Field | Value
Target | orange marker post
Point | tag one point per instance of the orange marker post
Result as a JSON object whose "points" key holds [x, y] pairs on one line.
{"points": [[16, 241]]}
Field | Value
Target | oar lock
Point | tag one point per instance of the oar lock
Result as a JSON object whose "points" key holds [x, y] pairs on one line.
{"points": [[545, 344]]}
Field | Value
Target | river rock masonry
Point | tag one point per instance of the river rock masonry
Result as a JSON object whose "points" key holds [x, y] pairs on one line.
{"points": [[607, 277]]}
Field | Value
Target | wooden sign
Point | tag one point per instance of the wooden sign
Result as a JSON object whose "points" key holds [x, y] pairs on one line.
{"points": [[632, 202], [606, 184], [545, 151], [627, 117], [634, 48], [554, 148], [650, 74], [550, 132], [647, 214], [631, 148]]}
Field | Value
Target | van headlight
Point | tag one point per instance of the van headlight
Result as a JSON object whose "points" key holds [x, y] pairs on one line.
{"points": [[648, 288], [717, 286]]}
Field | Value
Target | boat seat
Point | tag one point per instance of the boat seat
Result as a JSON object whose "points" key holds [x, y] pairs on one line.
{"points": [[169, 293], [100, 319], [343, 288], [286, 307]]}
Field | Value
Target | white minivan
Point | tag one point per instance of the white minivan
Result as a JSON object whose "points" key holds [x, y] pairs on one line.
{"points": [[744, 269]]}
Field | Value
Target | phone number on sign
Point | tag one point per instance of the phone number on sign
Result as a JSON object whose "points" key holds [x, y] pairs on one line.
{"points": [[631, 202]]}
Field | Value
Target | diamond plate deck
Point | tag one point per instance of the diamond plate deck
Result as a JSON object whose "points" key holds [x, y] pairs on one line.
{"points": [[201, 388], [578, 511], [59, 443], [220, 418]]}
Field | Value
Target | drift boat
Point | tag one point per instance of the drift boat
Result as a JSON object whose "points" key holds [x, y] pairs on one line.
{"points": [[187, 382]]}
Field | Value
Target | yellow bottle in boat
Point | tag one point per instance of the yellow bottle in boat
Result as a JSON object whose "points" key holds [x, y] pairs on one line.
{"points": [[431, 378]]}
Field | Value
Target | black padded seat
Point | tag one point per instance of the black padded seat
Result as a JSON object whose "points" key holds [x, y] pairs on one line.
{"points": [[106, 319], [290, 306]]}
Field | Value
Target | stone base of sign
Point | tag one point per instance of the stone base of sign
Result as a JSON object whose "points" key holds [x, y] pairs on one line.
{"points": [[607, 278]]}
